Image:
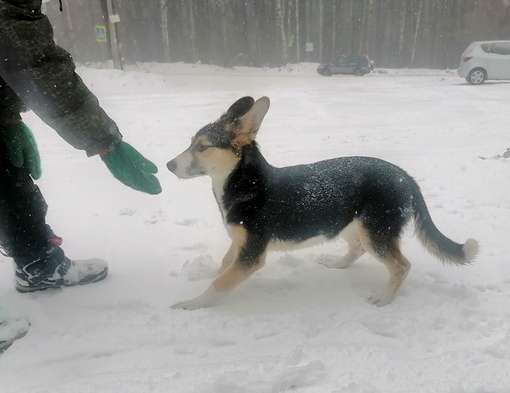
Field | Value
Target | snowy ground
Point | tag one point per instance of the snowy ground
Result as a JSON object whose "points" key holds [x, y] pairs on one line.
{"points": [[296, 325]]}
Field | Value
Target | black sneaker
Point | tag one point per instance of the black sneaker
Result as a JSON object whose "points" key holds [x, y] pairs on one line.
{"points": [[55, 270]]}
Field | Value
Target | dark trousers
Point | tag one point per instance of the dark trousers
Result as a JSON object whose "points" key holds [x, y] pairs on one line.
{"points": [[23, 230]]}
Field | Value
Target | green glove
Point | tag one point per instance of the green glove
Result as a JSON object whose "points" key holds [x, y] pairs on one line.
{"points": [[22, 148], [131, 168]]}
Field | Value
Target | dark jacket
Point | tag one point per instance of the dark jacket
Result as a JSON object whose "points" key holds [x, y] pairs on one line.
{"points": [[43, 76]]}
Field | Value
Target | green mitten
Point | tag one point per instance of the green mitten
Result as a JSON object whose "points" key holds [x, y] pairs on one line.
{"points": [[22, 148], [131, 168]]}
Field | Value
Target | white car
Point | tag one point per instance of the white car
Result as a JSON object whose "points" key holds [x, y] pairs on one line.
{"points": [[485, 60]]}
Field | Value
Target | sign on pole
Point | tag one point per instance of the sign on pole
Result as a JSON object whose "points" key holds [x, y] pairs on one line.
{"points": [[101, 33]]}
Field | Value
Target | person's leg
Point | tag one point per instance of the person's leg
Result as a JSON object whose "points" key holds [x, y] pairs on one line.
{"points": [[24, 235], [23, 228]]}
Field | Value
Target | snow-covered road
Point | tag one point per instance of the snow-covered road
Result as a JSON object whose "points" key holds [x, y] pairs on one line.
{"points": [[296, 325]]}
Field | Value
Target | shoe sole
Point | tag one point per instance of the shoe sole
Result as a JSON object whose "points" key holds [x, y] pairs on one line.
{"points": [[99, 277]]}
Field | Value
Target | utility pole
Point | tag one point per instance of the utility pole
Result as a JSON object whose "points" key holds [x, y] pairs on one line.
{"points": [[113, 19]]}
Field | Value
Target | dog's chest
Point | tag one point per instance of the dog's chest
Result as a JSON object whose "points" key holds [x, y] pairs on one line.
{"points": [[218, 186]]}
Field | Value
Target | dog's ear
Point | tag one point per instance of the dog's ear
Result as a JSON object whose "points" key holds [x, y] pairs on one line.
{"points": [[248, 125], [240, 107]]}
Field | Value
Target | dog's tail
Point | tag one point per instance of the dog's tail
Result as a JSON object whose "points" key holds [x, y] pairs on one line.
{"points": [[445, 249]]}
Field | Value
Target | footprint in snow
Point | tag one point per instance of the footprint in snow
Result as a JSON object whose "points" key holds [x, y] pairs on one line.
{"points": [[156, 217], [299, 377], [200, 268], [127, 212], [186, 222]]}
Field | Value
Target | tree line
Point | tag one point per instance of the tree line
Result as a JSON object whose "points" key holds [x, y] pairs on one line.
{"points": [[394, 33]]}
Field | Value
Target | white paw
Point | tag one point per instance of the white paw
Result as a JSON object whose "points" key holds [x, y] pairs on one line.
{"points": [[192, 304], [209, 298], [381, 299]]}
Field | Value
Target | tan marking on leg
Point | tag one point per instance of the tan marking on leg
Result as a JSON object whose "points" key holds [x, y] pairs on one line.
{"points": [[235, 274], [232, 274], [398, 266], [229, 258], [230, 278], [238, 234]]}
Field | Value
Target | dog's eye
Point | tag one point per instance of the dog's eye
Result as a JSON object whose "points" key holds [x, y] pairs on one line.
{"points": [[201, 147]]}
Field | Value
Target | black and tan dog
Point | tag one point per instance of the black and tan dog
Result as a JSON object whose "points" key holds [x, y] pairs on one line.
{"points": [[367, 201]]}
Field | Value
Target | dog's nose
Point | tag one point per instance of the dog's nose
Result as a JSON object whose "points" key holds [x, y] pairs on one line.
{"points": [[171, 165]]}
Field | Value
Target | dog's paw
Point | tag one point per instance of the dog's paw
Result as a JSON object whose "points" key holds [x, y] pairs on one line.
{"points": [[381, 299], [209, 298], [193, 304]]}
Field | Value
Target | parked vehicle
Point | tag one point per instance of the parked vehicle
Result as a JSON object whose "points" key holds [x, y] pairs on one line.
{"points": [[485, 60], [358, 65]]}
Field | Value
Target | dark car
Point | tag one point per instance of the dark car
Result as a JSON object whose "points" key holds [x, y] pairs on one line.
{"points": [[358, 65]]}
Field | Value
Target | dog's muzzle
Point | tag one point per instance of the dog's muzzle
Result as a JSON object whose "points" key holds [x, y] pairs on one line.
{"points": [[172, 166]]}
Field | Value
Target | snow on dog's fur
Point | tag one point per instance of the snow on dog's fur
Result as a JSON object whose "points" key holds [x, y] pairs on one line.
{"points": [[365, 200]]}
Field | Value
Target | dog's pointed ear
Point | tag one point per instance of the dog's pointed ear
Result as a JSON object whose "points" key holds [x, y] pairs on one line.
{"points": [[248, 125], [240, 107]]}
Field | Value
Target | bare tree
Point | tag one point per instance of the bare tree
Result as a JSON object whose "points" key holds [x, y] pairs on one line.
{"points": [[164, 29], [252, 33], [187, 9], [416, 30], [321, 24], [334, 25], [280, 27], [298, 41], [402, 26]]}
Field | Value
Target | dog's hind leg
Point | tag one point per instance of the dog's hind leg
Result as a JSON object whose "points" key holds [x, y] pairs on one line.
{"points": [[356, 250], [398, 266], [381, 225], [385, 247]]}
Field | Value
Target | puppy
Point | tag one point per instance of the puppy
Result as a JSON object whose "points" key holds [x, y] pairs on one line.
{"points": [[365, 200]]}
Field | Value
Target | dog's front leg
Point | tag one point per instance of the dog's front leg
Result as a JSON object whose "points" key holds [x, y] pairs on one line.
{"points": [[222, 285], [229, 258], [251, 257]]}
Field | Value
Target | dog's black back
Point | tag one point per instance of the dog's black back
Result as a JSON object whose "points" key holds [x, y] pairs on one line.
{"points": [[300, 202]]}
